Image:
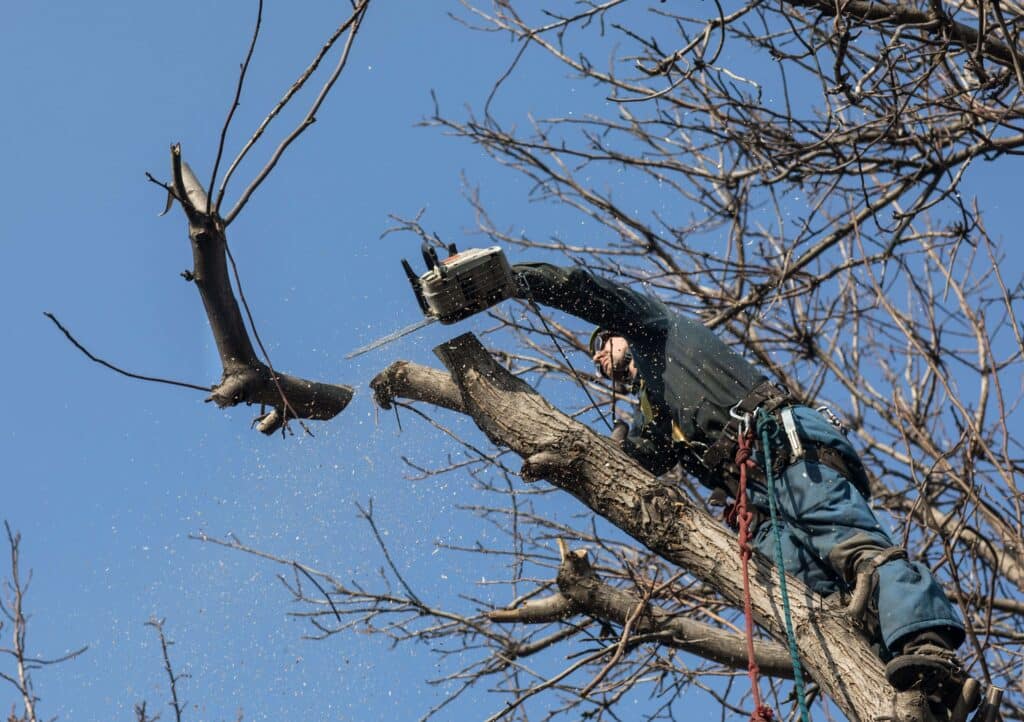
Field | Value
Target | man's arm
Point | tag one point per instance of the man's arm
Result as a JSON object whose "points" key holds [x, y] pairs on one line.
{"points": [[650, 447], [605, 303]]}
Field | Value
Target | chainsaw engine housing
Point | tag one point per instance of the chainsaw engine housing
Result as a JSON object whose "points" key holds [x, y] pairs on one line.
{"points": [[464, 284]]}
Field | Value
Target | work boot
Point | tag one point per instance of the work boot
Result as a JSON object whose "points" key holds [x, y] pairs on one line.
{"points": [[927, 662]]}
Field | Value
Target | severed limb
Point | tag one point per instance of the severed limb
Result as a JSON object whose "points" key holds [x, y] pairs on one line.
{"points": [[246, 378]]}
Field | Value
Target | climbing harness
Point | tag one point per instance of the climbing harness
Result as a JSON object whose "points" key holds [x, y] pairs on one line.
{"points": [[770, 398]]}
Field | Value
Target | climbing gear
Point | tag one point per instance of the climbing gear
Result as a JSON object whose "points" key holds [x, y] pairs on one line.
{"points": [[767, 427], [830, 415], [850, 468], [926, 667], [767, 396], [773, 399], [867, 580], [742, 517], [456, 288], [989, 709], [927, 662], [796, 448], [968, 699]]}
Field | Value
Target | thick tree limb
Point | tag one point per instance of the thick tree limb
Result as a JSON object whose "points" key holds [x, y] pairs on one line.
{"points": [[417, 383], [581, 591], [656, 514], [246, 379]]}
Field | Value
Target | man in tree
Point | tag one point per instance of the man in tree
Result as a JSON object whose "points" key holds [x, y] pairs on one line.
{"points": [[691, 387]]}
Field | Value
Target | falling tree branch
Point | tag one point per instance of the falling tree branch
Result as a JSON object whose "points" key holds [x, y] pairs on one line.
{"points": [[245, 379]]}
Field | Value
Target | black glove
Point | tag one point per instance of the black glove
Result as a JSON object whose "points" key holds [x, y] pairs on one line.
{"points": [[620, 430]]}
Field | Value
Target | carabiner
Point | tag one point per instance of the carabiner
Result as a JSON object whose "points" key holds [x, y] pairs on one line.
{"points": [[743, 425]]}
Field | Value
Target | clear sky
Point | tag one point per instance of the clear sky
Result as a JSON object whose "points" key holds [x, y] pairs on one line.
{"points": [[106, 477]]}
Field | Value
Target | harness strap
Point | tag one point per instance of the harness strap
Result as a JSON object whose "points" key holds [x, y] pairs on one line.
{"points": [[716, 463], [846, 466], [766, 395]]}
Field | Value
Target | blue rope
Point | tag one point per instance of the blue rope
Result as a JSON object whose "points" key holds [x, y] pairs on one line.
{"points": [[765, 426]]}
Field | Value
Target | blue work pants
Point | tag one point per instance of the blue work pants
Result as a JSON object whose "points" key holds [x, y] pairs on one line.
{"points": [[820, 509]]}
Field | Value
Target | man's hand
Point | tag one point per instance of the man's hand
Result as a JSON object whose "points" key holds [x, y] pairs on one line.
{"points": [[620, 430]]}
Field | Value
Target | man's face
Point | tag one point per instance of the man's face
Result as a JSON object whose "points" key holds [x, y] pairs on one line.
{"points": [[612, 358]]}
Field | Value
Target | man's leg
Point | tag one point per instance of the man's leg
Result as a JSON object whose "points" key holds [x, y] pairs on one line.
{"points": [[826, 517]]}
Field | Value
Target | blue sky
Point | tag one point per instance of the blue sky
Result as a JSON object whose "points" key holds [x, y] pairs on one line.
{"points": [[106, 477]]}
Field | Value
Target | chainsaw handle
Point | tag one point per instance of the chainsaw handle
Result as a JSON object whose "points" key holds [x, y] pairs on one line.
{"points": [[430, 256], [414, 281]]}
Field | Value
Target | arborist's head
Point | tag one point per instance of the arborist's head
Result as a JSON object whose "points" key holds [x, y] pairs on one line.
{"points": [[612, 356]]}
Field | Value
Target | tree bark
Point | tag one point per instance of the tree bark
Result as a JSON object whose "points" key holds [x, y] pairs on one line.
{"points": [[577, 460], [245, 378]]}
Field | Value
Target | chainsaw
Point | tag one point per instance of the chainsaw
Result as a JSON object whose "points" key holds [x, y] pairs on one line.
{"points": [[455, 288]]}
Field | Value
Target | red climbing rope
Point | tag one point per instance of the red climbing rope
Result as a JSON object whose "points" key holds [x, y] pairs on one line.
{"points": [[740, 515]]}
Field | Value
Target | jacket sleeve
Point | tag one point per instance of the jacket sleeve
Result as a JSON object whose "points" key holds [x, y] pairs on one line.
{"points": [[651, 447], [605, 303]]}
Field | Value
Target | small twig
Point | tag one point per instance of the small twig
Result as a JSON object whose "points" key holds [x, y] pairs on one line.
{"points": [[158, 625], [17, 616], [546, 684], [368, 515], [141, 715], [121, 371], [620, 648], [323, 591], [482, 456], [353, 22], [235, 103], [627, 630], [156, 181]]}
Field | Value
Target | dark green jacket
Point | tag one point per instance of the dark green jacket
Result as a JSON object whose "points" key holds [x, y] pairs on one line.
{"points": [[688, 374]]}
